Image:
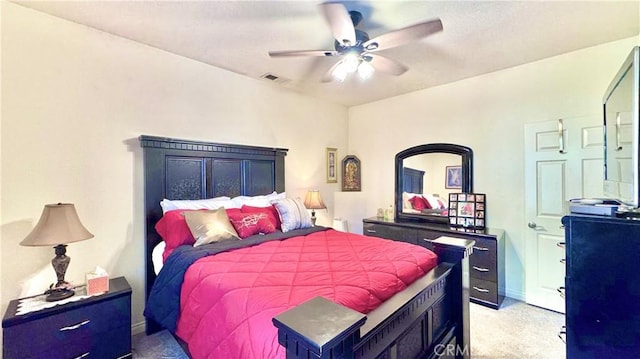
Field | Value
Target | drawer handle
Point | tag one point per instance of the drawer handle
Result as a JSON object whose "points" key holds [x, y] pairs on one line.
{"points": [[560, 244], [82, 356], [563, 261], [481, 289], [371, 231], [480, 269], [561, 291], [74, 327], [483, 249]]}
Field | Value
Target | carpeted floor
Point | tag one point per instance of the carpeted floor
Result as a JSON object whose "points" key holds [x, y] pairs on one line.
{"points": [[156, 346], [517, 330]]}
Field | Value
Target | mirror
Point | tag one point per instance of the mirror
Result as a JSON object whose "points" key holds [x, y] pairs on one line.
{"points": [[433, 170]]}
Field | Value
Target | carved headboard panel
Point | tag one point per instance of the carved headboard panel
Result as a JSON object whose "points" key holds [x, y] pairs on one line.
{"points": [[182, 169]]}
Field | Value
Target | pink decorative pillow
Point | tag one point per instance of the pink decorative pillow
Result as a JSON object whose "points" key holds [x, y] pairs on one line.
{"points": [[270, 211], [248, 224], [419, 203], [175, 232]]}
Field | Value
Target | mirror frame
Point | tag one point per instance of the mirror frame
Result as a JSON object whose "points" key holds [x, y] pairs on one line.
{"points": [[467, 176]]}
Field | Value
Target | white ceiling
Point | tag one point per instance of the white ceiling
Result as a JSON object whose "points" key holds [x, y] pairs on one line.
{"points": [[479, 36]]}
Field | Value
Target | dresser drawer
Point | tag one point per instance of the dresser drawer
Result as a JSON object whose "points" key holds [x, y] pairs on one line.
{"points": [[487, 273], [76, 329], [390, 232], [484, 291], [484, 253]]}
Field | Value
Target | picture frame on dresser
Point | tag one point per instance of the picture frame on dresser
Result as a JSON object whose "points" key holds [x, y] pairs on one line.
{"points": [[467, 210]]}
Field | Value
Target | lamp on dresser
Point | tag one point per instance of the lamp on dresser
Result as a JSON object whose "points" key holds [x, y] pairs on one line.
{"points": [[59, 225], [313, 201]]}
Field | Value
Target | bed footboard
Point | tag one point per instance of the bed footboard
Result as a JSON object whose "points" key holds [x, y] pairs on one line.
{"points": [[430, 318]]}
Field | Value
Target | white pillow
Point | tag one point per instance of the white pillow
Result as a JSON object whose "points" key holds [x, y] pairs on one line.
{"points": [[434, 201], [209, 203], [257, 201], [405, 201], [293, 214], [156, 256]]}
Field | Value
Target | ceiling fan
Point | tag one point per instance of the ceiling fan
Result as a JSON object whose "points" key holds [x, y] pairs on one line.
{"points": [[357, 49]]}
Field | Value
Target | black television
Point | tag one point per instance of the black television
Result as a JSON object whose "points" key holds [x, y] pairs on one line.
{"points": [[621, 133]]}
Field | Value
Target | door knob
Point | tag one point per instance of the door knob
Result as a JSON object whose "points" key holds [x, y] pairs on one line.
{"points": [[532, 225]]}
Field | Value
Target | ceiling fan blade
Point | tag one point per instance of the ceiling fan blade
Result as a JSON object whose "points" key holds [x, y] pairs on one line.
{"points": [[403, 36], [303, 53], [340, 23], [386, 65]]}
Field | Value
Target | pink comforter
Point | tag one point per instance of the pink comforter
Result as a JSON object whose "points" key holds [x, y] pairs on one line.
{"points": [[228, 300]]}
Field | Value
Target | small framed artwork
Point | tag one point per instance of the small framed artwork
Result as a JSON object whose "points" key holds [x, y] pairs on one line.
{"points": [[332, 163], [467, 210], [351, 174], [453, 177]]}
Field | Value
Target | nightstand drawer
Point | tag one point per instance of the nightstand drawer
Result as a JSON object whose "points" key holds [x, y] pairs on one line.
{"points": [[79, 325], [112, 344]]}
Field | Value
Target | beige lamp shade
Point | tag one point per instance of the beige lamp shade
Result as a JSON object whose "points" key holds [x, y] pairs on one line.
{"points": [[313, 200], [58, 224]]}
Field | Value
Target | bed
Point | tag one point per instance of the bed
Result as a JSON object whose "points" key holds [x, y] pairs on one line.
{"points": [[427, 317]]}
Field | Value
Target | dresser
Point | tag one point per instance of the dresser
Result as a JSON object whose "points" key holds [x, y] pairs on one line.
{"points": [[602, 287], [486, 264], [93, 327]]}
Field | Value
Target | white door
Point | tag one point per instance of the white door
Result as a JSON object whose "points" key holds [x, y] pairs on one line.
{"points": [[557, 169]]}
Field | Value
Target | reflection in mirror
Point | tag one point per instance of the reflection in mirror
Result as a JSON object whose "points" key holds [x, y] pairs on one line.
{"points": [[425, 175]]}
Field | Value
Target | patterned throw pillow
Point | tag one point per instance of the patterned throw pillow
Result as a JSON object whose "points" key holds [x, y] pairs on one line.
{"points": [[270, 211], [248, 224], [210, 226], [293, 214]]}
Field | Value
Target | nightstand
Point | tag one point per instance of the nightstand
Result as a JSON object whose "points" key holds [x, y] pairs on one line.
{"points": [[94, 327]]}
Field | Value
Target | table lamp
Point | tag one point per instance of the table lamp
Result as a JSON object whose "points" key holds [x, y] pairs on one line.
{"points": [[58, 225], [313, 201]]}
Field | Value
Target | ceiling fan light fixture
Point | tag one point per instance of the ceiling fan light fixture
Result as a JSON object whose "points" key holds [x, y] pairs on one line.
{"points": [[340, 72], [365, 70], [351, 62]]}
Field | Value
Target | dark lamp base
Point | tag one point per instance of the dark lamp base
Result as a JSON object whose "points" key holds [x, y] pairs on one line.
{"points": [[58, 294]]}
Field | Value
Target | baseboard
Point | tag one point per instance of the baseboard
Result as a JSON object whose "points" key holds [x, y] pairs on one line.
{"points": [[517, 295], [138, 328]]}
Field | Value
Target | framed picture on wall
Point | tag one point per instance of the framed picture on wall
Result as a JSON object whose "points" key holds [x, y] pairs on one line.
{"points": [[332, 163], [351, 174], [453, 177], [467, 210]]}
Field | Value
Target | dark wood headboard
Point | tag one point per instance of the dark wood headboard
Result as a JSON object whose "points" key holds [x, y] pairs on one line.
{"points": [[182, 169], [412, 180]]}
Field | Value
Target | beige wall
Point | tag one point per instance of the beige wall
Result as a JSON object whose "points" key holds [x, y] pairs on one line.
{"points": [[486, 113], [75, 101]]}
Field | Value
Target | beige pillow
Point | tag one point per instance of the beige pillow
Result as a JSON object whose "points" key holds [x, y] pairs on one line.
{"points": [[210, 226]]}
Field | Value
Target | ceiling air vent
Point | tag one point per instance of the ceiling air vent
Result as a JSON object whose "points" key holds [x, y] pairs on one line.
{"points": [[274, 78]]}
